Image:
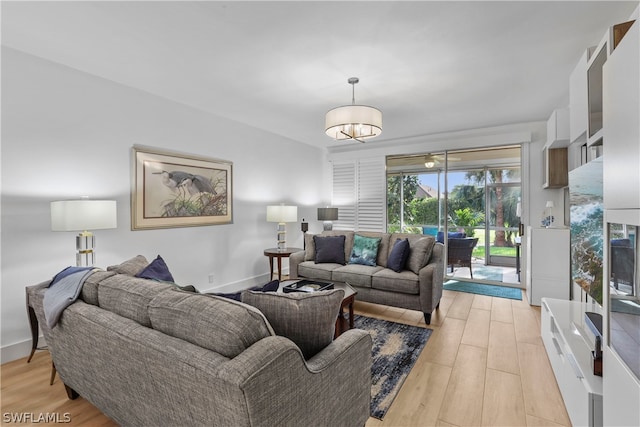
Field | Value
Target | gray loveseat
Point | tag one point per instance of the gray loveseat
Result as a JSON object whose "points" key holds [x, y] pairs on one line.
{"points": [[148, 354], [417, 287]]}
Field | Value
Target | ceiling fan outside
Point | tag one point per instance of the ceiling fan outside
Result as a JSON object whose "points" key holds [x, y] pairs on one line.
{"points": [[430, 160]]}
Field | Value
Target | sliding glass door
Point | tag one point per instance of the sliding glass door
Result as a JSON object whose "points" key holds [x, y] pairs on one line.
{"points": [[474, 192]]}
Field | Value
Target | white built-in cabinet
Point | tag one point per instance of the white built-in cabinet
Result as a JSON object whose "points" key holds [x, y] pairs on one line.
{"points": [[547, 270], [622, 123], [621, 116], [578, 110], [604, 120], [569, 341], [558, 128]]}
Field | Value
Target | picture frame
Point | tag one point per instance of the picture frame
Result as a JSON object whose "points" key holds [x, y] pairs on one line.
{"points": [[172, 189]]}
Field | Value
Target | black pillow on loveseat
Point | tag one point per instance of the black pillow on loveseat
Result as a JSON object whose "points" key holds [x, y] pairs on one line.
{"points": [[329, 249], [399, 255]]}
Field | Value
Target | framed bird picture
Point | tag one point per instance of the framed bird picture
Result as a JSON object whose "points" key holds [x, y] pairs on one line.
{"points": [[171, 189]]}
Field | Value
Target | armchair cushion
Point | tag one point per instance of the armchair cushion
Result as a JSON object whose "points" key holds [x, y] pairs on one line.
{"points": [[307, 319], [450, 235]]}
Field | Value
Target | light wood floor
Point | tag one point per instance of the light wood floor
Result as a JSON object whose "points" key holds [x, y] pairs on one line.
{"points": [[484, 365]]}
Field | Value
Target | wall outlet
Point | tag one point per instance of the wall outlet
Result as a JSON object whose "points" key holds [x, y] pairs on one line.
{"points": [[211, 278]]}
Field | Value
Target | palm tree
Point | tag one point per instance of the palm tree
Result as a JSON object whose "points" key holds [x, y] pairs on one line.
{"points": [[495, 177]]}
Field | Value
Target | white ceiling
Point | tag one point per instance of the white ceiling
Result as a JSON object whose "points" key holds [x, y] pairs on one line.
{"points": [[429, 66]]}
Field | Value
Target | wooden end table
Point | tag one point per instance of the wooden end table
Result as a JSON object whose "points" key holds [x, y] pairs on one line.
{"points": [[279, 254], [347, 302]]}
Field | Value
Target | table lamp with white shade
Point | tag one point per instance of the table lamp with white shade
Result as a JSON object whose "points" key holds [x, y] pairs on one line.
{"points": [[282, 214], [84, 216]]}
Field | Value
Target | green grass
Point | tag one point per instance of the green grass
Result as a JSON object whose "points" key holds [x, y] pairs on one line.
{"points": [[479, 250]]}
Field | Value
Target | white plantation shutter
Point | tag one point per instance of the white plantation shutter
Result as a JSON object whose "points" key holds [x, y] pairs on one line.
{"points": [[371, 196], [359, 193], [344, 195]]}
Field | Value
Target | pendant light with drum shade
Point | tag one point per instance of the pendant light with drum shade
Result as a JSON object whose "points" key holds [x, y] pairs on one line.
{"points": [[356, 122]]}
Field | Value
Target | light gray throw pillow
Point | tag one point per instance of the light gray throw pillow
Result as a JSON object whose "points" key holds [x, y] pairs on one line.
{"points": [[307, 319], [420, 253]]}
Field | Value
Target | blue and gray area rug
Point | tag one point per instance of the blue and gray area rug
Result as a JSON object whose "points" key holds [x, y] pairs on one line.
{"points": [[482, 289], [396, 348]]}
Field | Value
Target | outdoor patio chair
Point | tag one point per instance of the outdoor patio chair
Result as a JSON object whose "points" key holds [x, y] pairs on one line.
{"points": [[622, 263], [459, 252]]}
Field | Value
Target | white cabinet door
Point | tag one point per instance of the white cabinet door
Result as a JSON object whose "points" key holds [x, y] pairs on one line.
{"points": [[548, 269], [578, 108], [621, 114]]}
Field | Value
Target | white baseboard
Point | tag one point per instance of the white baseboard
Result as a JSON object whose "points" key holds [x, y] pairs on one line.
{"points": [[18, 350], [240, 285]]}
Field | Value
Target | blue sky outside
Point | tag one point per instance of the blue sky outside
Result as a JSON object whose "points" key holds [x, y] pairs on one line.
{"points": [[454, 178]]}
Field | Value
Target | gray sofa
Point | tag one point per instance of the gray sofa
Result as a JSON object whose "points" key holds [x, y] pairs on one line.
{"points": [[147, 354], [417, 287]]}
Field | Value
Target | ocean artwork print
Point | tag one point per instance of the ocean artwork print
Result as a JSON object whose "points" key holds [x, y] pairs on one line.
{"points": [[587, 229]]}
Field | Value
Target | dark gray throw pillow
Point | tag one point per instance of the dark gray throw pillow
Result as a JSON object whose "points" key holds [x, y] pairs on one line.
{"points": [[399, 255], [329, 249]]}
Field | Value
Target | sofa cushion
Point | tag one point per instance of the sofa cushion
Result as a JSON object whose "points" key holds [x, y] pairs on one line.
{"points": [[89, 292], [310, 247], [317, 271], [405, 282], [129, 296], [131, 266], [329, 249], [157, 270], [355, 274], [420, 253], [365, 250], [218, 324], [399, 255], [307, 319]]}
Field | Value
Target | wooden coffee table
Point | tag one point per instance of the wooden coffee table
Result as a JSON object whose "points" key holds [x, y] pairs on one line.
{"points": [[342, 324]]}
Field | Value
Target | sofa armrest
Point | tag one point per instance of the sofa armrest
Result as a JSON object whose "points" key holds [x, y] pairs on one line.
{"points": [[294, 260], [273, 374], [431, 278]]}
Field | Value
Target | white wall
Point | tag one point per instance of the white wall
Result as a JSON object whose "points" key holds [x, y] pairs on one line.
{"points": [[66, 134]]}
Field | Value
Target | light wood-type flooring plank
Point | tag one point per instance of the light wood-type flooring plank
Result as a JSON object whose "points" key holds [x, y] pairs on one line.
{"points": [[503, 350], [501, 310], [503, 401], [476, 331], [462, 405], [526, 326], [461, 306], [542, 397], [481, 302]]}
